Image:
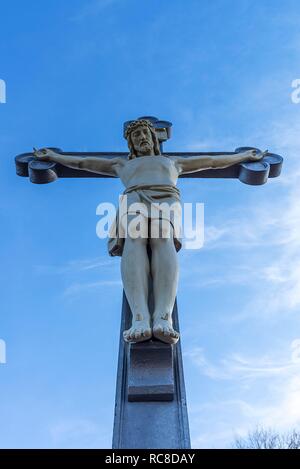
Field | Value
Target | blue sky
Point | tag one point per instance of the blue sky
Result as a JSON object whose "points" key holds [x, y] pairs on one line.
{"points": [[221, 72]]}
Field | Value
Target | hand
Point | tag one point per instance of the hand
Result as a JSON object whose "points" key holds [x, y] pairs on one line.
{"points": [[44, 154], [254, 155]]}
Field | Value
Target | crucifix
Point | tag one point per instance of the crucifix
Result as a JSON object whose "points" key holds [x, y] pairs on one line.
{"points": [[150, 407]]}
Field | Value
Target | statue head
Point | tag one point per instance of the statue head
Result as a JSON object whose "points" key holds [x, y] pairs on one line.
{"points": [[142, 139]]}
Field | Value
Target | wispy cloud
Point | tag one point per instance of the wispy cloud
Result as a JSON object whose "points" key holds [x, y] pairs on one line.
{"points": [[79, 288], [243, 406], [81, 274], [265, 238], [74, 266], [239, 367], [226, 419]]}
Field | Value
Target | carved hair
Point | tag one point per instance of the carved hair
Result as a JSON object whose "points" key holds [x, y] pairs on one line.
{"points": [[133, 126]]}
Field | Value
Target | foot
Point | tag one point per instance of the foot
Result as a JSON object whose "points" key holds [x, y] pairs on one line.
{"points": [[163, 330], [139, 331]]}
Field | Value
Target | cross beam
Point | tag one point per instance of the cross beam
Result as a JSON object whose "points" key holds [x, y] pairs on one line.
{"points": [[253, 173]]}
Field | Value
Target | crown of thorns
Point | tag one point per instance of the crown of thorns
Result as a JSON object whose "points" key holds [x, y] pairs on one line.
{"points": [[135, 124]]}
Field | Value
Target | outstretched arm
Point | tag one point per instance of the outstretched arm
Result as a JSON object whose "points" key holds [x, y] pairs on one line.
{"points": [[199, 163], [100, 165]]}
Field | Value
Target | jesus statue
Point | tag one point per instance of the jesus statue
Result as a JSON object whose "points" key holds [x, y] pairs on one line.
{"points": [[149, 178]]}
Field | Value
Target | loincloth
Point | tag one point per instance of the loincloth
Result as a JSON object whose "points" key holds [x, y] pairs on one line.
{"points": [[150, 196]]}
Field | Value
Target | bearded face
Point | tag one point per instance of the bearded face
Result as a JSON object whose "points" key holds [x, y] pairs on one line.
{"points": [[142, 141]]}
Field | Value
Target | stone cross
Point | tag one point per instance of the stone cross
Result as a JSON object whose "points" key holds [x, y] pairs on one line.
{"points": [[150, 406]]}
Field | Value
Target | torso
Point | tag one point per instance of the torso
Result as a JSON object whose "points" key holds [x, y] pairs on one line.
{"points": [[153, 170]]}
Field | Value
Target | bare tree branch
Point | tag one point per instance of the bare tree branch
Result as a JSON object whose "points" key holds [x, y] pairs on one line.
{"points": [[267, 438]]}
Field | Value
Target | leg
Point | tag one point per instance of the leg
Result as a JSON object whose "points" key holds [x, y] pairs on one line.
{"points": [[164, 268], [135, 276]]}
